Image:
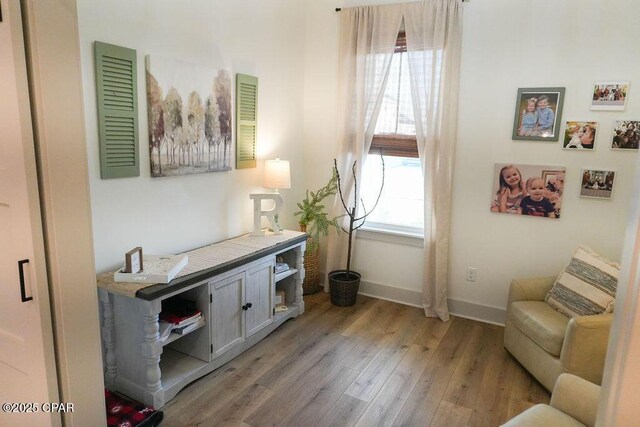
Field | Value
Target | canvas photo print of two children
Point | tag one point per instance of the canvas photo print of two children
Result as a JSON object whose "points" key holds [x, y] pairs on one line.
{"points": [[528, 190]]}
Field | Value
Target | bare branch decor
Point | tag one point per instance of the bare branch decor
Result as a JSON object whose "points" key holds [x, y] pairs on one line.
{"points": [[344, 284]]}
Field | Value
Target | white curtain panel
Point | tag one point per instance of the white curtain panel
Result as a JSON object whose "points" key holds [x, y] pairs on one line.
{"points": [[434, 34], [367, 41]]}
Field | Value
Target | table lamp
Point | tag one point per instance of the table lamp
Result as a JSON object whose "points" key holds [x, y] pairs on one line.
{"points": [[277, 176]]}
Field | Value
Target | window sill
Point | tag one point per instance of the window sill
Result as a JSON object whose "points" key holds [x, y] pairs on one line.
{"points": [[399, 237]]}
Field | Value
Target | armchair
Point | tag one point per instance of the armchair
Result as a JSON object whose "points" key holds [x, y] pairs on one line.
{"points": [[573, 403], [546, 342]]}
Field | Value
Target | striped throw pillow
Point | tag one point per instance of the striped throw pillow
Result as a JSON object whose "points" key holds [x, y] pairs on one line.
{"points": [[586, 286]]}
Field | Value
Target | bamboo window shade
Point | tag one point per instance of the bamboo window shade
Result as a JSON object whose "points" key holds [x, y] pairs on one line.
{"points": [[396, 144]]}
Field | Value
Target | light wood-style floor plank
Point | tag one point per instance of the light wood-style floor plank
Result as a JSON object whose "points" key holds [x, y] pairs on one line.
{"points": [[245, 404], [345, 412], [327, 395], [386, 405], [424, 400], [287, 404], [402, 329], [498, 378], [450, 414], [466, 383], [376, 363]]}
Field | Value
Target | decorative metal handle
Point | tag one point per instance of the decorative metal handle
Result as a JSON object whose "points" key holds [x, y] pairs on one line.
{"points": [[247, 306], [23, 291]]}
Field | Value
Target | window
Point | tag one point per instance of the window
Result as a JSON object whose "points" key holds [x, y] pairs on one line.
{"points": [[401, 204]]}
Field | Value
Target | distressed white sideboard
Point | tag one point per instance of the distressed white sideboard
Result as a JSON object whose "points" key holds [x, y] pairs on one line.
{"points": [[232, 282]]}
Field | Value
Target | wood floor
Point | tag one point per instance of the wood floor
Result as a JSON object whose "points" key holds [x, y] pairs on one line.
{"points": [[377, 363]]}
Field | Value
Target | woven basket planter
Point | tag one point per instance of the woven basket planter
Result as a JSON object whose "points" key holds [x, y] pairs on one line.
{"points": [[344, 291], [311, 283]]}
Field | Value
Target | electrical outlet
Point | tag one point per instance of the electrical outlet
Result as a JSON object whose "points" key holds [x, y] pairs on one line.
{"points": [[471, 274]]}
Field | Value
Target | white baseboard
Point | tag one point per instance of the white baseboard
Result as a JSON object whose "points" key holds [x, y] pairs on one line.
{"points": [[474, 311], [460, 308], [390, 293]]}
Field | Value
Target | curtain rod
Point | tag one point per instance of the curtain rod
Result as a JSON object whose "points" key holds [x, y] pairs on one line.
{"points": [[338, 9]]}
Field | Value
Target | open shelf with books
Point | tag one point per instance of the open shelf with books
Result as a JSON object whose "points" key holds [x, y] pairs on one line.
{"points": [[286, 281], [174, 336], [190, 310], [179, 317], [285, 274]]}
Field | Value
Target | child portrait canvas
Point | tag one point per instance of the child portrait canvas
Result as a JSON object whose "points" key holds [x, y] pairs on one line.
{"points": [[611, 95], [626, 135], [528, 190], [580, 135], [537, 115], [597, 183]]}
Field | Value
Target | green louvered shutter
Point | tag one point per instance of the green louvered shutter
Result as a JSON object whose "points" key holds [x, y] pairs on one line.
{"points": [[116, 86], [246, 120]]}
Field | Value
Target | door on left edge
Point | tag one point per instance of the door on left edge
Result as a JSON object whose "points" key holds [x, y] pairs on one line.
{"points": [[27, 364]]}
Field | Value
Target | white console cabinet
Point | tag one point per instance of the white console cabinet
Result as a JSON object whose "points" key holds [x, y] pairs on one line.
{"points": [[241, 305], [233, 283]]}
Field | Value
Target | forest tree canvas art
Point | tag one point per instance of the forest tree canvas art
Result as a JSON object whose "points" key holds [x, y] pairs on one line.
{"points": [[189, 109]]}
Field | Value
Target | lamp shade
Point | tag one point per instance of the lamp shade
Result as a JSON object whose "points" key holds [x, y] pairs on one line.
{"points": [[276, 174]]}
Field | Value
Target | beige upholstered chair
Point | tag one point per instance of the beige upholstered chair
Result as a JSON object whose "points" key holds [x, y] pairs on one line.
{"points": [[573, 404], [546, 342]]}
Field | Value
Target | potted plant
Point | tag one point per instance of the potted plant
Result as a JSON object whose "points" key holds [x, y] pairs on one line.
{"points": [[315, 222], [344, 284]]}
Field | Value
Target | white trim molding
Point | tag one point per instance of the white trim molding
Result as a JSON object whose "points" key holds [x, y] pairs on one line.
{"points": [[460, 308], [391, 236]]}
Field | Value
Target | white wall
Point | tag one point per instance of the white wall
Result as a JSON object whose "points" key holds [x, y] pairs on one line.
{"points": [[506, 44], [291, 46], [172, 214], [576, 46]]}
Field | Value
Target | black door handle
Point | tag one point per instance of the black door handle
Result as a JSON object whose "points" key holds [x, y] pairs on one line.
{"points": [[23, 291], [247, 306]]}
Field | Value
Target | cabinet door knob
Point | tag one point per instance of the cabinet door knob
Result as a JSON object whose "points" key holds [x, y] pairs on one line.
{"points": [[245, 307], [249, 305]]}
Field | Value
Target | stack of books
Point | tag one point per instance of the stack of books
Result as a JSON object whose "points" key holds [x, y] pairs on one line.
{"points": [[180, 317]]}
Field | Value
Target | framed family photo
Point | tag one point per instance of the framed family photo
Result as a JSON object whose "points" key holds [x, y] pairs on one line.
{"points": [[537, 115], [626, 135], [528, 190], [597, 184], [610, 95], [580, 135]]}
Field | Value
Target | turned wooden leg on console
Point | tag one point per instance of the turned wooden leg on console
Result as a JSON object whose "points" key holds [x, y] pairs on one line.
{"points": [[108, 339], [151, 349], [299, 277]]}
